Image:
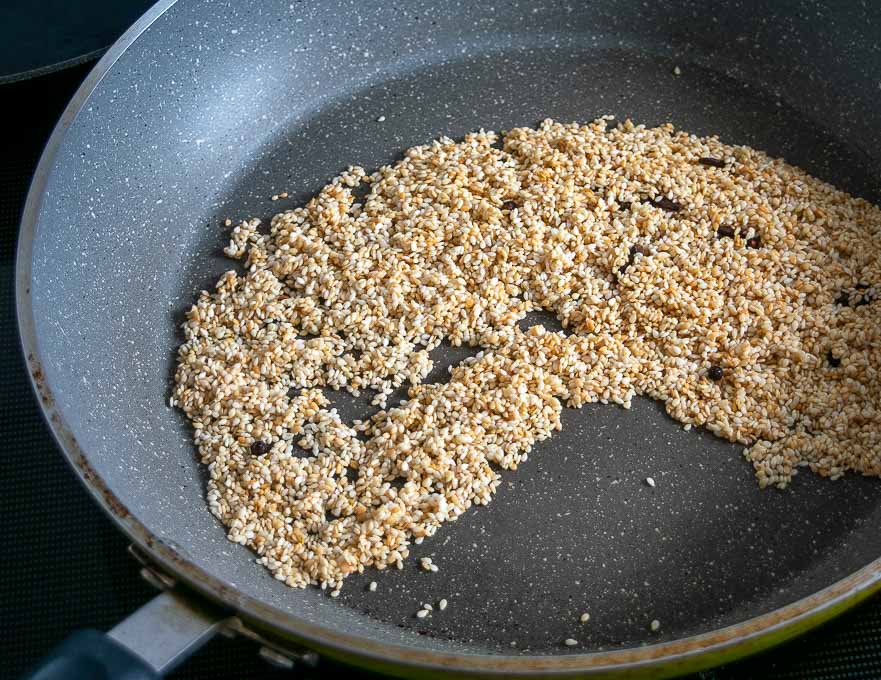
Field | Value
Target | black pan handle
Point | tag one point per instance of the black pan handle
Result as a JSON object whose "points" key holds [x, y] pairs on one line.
{"points": [[91, 655], [146, 646]]}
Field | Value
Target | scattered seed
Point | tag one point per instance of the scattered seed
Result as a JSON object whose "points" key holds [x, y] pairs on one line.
{"points": [[711, 162], [227, 222], [715, 373], [655, 626], [379, 280], [650, 482], [442, 604], [569, 642], [372, 587], [677, 71], [380, 119], [422, 613], [427, 607], [584, 618]]}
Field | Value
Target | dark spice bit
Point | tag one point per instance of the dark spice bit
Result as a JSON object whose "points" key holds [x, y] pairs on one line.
{"points": [[634, 249], [624, 205], [715, 373], [711, 162], [259, 448], [667, 204], [843, 299], [754, 242], [862, 286], [725, 232], [509, 205], [833, 360]]}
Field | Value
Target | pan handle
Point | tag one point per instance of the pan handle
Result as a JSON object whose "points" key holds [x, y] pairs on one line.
{"points": [[145, 646]]}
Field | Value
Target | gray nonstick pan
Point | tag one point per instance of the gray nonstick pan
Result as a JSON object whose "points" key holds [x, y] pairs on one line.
{"points": [[203, 110]]}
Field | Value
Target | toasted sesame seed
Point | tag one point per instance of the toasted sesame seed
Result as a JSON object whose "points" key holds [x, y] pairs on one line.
{"points": [[753, 269]]}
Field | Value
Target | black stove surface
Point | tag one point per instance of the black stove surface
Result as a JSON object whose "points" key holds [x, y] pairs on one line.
{"points": [[65, 565]]}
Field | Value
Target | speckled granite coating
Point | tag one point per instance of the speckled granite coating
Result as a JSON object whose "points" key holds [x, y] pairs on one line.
{"points": [[217, 106]]}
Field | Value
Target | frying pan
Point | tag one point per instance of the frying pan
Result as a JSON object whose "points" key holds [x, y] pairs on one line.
{"points": [[204, 109]]}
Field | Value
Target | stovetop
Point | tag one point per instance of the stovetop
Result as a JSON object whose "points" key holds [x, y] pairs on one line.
{"points": [[66, 567]]}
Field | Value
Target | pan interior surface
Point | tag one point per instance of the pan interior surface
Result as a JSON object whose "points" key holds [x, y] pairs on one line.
{"points": [[214, 109]]}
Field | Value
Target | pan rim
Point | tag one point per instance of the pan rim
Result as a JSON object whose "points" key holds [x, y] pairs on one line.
{"points": [[676, 656]]}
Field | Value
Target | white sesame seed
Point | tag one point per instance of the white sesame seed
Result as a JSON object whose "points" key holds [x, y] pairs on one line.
{"points": [[677, 71], [650, 482], [442, 604], [584, 618], [422, 613], [570, 642], [655, 626], [380, 119], [731, 286], [372, 587]]}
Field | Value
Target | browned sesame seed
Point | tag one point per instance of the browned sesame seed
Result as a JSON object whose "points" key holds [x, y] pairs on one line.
{"points": [[356, 299]]}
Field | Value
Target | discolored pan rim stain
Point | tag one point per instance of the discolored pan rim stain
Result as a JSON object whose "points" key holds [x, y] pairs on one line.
{"points": [[658, 661]]}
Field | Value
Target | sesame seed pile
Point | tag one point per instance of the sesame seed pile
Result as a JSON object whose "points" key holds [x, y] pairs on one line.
{"points": [[733, 287]]}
